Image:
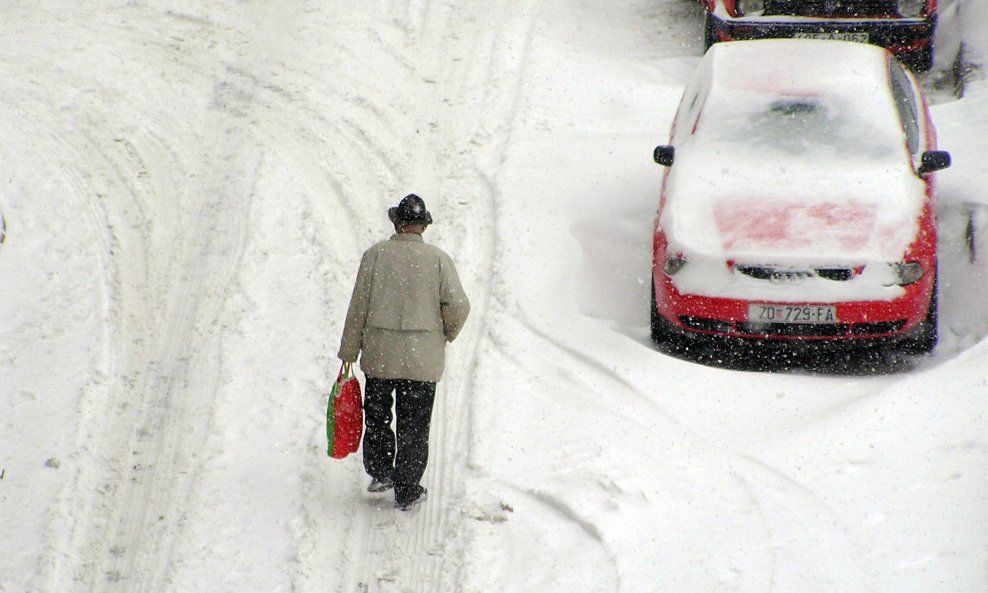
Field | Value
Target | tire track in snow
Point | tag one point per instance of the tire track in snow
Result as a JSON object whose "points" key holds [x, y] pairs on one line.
{"points": [[362, 134], [55, 149], [476, 91], [174, 407], [296, 116], [142, 466], [796, 517], [791, 513], [353, 124], [108, 184]]}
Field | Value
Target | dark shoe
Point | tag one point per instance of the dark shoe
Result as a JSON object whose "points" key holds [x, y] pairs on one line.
{"points": [[407, 503], [380, 485]]}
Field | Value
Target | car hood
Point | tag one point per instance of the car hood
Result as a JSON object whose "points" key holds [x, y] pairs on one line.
{"points": [[788, 209]]}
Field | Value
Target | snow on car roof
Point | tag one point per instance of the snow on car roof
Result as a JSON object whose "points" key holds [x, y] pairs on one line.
{"points": [[805, 127]]}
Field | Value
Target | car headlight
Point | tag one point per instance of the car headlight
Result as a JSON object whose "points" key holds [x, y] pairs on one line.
{"points": [[911, 8], [907, 272], [750, 7], [673, 264]]}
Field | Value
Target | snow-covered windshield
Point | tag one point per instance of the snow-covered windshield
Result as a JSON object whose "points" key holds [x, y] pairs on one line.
{"points": [[798, 126]]}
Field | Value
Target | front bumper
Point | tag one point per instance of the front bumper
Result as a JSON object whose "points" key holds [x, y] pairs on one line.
{"points": [[910, 39], [856, 320]]}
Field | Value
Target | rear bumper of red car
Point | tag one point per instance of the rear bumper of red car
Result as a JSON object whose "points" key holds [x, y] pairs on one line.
{"points": [[857, 320], [910, 39]]}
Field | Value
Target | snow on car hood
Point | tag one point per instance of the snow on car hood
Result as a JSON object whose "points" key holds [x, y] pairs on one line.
{"points": [[765, 176], [785, 209], [790, 213]]}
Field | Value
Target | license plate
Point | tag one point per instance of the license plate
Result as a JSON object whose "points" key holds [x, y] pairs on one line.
{"points": [[765, 313], [838, 35]]}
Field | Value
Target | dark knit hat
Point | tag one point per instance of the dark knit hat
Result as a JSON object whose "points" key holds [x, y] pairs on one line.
{"points": [[411, 210]]}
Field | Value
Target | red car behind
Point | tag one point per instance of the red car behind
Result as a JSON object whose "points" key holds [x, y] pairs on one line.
{"points": [[918, 32]]}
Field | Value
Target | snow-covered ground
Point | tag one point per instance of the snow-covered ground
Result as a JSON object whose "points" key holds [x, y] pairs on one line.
{"points": [[188, 187]]}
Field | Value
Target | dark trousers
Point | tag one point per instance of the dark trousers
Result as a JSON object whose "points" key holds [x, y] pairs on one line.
{"points": [[402, 457]]}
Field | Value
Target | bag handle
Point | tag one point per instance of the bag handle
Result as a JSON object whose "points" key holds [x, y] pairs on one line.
{"points": [[344, 373]]}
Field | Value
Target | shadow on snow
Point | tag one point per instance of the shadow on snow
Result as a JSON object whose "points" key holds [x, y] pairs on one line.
{"points": [[792, 357]]}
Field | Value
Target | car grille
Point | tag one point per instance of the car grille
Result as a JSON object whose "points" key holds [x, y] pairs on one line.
{"points": [[773, 272], [710, 325], [882, 327], [832, 8], [793, 330]]}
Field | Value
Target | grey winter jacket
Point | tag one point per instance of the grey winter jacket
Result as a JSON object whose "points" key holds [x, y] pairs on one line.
{"points": [[407, 303]]}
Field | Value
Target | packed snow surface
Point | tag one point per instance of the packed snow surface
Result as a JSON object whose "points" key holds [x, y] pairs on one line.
{"points": [[188, 187]]}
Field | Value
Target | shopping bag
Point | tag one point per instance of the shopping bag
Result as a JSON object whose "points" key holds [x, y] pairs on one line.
{"points": [[345, 415]]}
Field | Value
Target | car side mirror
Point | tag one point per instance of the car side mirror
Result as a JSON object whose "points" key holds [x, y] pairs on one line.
{"points": [[934, 160], [664, 155]]}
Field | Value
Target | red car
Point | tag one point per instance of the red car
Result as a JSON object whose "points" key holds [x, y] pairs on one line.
{"points": [[799, 202], [910, 29]]}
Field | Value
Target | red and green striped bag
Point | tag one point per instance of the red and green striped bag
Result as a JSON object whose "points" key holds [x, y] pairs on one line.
{"points": [[345, 415]]}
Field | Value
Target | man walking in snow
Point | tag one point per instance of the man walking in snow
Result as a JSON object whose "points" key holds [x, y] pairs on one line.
{"points": [[407, 304]]}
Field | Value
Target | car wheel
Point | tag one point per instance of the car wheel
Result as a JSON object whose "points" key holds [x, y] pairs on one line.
{"points": [[926, 335]]}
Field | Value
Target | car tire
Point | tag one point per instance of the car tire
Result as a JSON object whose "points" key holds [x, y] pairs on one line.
{"points": [[926, 335]]}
